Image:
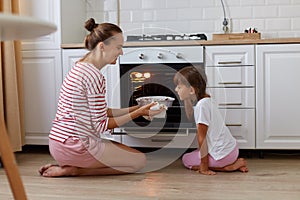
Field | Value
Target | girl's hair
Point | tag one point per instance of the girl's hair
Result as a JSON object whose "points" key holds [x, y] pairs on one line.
{"points": [[99, 33], [191, 76]]}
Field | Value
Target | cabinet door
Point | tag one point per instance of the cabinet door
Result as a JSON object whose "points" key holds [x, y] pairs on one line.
{"points": [[47, 10], [42, 79], [278, 97], [241, 124]]}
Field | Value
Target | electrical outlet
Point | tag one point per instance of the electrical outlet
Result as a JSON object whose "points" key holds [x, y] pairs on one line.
{"points": [[227, 25]]}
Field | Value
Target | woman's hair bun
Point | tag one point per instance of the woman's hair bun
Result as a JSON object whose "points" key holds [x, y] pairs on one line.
{"points": [[90, 24]]}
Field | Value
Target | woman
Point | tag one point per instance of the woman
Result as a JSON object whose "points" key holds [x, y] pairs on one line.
{"points": [[82, 114], [218, 150]]}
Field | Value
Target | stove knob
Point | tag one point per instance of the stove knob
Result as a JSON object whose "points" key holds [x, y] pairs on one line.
{"points": [[141, 56], [160, 56], [179, 56]]}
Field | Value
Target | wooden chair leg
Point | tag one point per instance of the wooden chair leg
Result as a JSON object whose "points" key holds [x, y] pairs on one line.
{"points": [[9, 163]]}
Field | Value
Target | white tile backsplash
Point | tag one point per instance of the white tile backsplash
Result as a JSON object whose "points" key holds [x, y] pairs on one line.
{"points": [[273, 18], [153, 4], [252, 2], [289, 11], [259, 12], [178, 3], [280, 2], [130, 4], [244, 12], [189, 14], [199, 4], [278, 24], [296, 24], [165, 14], [213, 13]]}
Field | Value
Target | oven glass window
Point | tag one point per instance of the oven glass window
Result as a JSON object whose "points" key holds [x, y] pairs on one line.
{"points": [[153, 80]]}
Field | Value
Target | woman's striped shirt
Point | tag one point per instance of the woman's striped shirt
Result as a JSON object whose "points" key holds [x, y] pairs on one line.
{"points": [[82, 108]]}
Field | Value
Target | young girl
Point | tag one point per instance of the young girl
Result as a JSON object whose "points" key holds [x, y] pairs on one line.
{"points": [[218, 150], [82, 114]]}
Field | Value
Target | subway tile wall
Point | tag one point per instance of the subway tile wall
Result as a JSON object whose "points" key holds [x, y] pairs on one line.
{"points": [[273, 18]]}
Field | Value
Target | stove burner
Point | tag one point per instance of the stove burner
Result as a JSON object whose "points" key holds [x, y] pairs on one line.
{"points": [[199, 36]]}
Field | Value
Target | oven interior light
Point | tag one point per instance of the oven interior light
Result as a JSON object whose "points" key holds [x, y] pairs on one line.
{"points": [[147, 75]]}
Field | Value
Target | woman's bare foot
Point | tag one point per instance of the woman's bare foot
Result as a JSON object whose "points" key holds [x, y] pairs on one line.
{"points": [[240, 164], [57, 171], [45, 167]]}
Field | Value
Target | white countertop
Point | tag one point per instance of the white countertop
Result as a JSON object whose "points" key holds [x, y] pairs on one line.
{"points": [[196, 42]]}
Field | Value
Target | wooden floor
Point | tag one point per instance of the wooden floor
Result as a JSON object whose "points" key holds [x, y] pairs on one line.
{"points": [[276, 176]]}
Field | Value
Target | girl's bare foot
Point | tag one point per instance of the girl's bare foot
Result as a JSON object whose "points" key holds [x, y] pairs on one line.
{"points": [[240, 164], [244, 169], [57, 171]]}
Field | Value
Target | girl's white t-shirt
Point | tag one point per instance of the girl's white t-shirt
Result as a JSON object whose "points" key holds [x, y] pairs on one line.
{"points": [[220, 142]]}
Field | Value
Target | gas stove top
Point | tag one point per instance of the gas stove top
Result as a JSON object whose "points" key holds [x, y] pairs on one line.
{"points": [[168, 37]]}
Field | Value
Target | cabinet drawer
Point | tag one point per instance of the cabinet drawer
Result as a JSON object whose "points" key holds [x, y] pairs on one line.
{"points": [[172, 141], [233, 97], [241, 123], [230, 76], [233, 55], [229, 60]]}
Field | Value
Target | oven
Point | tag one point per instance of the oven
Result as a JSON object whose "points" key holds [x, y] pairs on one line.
{"points": [[149, 71]]}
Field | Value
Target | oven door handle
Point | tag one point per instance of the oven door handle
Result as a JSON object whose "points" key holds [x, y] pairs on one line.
{"points": [[138, 133], [161, 140]]}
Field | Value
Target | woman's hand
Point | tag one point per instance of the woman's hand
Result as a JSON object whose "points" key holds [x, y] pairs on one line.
{"points": [[146, 111], [123, 116]]}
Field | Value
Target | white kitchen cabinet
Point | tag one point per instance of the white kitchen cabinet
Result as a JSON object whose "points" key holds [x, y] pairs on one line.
{"points": [[42, 76], [47, 10], [42, 71], [70, 56], [278, 107], [230, 71]]}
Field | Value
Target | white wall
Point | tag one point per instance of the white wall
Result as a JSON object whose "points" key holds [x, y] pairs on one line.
{"points": [[273, 18], [72, 31]]}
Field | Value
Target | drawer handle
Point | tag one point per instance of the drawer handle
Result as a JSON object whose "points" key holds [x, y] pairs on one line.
{"points": [[233, 124], [227, 83], [161, 140], [229, 62], [230, 104]]}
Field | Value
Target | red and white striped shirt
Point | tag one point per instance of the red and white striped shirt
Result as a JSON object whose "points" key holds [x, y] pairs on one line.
{"points": [[82, 108]]}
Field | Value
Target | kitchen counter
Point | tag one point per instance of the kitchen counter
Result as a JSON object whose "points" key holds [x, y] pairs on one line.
{"points": [[196, 42]]}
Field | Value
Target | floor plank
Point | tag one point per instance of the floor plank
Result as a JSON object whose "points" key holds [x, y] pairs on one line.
{"points": [[276, 176]]}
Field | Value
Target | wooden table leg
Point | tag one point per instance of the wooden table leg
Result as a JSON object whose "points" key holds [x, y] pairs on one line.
{"points": [[9, 163]]}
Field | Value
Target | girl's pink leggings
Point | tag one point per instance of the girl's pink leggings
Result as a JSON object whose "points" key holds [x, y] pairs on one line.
{"points": [[193, 159]]}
